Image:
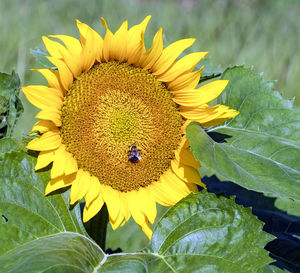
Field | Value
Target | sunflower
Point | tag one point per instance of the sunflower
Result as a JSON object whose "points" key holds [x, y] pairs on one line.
{"points": [[113, 120]]}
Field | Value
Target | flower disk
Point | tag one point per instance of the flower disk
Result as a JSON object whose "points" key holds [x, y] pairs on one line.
{"points": [[112, 107]]}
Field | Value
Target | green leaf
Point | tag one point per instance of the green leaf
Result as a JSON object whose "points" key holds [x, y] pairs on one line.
{"points": [[9, 144], [202, 233], [39, 56], [291, 206], [10, 105], [26, 213], [61, 252], [263, 151], [272, 269]]}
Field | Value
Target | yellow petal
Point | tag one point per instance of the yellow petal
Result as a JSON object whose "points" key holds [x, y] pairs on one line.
{"points": [[183, 66], [71, 164], [147, 229], [80, 186], [202, 95], [59, 183], [207, 115], [186, 81], [58, 167], [202, 111], [134, 58], [93, 209], [186, 173], [135, 42], [52, 77], [152, 55], [88, 55], [52, 47], [98, 41], [164, 193], [71, 53], [43, 96], [44, 159], [230, 113], [82, 27], [115, 224], [44, 126], [112, 200], [49, 141], [173, 181], [71, 43], [65, 74], [52, 114], [160, 196], [118, 49], [193, 187], [115, 46], [73, 62], [124, 207], [137, 215], [170, 54], [107, 42], [93, 191], [147, 203], [184, 155], [204, 120], [42, 89], [98, 45]]}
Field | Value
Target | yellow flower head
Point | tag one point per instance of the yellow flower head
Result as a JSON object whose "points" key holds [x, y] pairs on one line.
{"points": [[113, 120]]}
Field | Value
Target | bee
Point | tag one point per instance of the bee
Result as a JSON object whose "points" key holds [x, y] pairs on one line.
{"points": [[134, 154]]}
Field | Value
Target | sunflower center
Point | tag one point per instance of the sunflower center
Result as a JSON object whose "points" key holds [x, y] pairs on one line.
{"points": [[121, 125]]}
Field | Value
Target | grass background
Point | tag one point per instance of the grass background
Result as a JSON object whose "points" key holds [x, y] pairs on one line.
{"points": [[262, 34]]}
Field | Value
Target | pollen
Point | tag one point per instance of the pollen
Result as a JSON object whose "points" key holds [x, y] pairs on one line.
{"points": [[112, 107]]}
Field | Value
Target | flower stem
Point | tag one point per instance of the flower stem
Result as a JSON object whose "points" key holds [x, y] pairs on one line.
{"points": [[97, 227]]}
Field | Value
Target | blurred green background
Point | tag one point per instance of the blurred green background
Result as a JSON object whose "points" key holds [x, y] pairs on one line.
{"points": [[263, 34]]}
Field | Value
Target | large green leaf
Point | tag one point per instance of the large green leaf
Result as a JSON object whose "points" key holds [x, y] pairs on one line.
{"points": [[10, 105], [26, 213], [263, 152], [202, 233], [64, 252]]}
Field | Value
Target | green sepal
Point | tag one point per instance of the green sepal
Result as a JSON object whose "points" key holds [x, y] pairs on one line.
{"points": [[40, 57]]}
